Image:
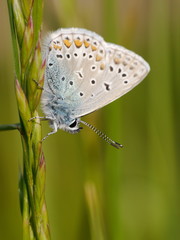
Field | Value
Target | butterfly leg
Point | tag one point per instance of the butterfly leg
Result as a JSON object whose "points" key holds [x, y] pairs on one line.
{"points": [[41, 118], [50, 133]]}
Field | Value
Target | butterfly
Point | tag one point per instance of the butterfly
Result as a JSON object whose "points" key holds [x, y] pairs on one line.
{"points": [[83, 74]]}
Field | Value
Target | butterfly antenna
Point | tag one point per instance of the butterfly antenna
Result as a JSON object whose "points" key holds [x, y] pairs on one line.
{"points": [[102, 135]]}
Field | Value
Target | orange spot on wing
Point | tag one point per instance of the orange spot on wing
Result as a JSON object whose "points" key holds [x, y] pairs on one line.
{"points": [[78, 43], [86, 44], [98, 58], [56, 47], [117, 60], [67, 43], [102, 66], [93, 48]]}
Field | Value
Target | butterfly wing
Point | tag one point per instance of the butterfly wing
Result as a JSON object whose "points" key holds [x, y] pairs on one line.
{"points": [[117, 73], [89, 73]]}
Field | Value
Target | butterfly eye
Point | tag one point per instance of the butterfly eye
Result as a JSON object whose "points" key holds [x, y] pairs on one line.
{"points": [[73, 124]]}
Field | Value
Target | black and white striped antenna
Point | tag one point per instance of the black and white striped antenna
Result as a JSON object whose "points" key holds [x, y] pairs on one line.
{"points": [[103, 136]]}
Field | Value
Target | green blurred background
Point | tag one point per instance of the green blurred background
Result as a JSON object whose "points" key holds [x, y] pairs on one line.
{"points": [[93, 191]]}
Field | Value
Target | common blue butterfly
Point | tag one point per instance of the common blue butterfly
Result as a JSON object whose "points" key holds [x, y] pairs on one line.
{"points": [[84, 73]]}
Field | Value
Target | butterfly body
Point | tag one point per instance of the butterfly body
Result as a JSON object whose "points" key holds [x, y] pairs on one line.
{"points": [[84, 73]]}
